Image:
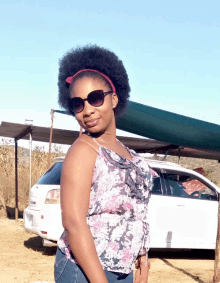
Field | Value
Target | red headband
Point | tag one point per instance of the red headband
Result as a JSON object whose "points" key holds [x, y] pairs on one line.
{"points": [[69, 80]]}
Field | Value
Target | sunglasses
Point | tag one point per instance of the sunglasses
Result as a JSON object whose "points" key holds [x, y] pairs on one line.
{"points": [[95, 98]]}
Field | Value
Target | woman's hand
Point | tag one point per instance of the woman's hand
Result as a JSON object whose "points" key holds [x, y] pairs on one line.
{"points": [[142, 265]]}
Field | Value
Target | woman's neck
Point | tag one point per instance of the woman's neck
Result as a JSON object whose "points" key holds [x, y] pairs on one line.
{"points": [[107, 138]]}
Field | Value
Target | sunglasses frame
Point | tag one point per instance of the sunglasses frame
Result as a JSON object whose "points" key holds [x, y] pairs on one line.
{"points": [[86, 99]]}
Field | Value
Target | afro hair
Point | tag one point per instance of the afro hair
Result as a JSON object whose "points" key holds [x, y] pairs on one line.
{"points": [[97, 58]]}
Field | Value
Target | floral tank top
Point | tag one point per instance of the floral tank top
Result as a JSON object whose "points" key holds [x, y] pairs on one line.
{"points": [[117, 214]]}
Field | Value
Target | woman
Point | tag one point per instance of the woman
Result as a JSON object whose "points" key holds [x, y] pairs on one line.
{"points": [[105, 187]]}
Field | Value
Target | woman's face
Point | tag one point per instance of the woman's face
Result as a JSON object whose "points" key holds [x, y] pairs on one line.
{"points": [[95, 119]]}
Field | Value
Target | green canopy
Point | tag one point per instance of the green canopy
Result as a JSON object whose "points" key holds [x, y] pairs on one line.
{"points": [[168, 127]]}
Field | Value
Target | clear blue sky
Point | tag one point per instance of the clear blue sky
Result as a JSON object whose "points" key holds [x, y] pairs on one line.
{"points": [[171, 50]]}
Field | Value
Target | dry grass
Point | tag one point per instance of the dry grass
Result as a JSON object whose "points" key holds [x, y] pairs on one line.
{"points": [[7, 172]]}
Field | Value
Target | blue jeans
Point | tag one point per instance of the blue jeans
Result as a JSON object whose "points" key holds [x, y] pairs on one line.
{"points": [[65, 271]]}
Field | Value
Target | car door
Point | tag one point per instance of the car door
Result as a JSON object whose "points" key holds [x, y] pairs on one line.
{"points": [[192, 209], [159, 223]]}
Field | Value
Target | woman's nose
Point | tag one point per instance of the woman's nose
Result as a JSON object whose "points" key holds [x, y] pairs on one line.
{"points": [[88, 109]]}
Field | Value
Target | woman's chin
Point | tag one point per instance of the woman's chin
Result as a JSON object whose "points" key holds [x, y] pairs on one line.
{"points": [[94, 130]]}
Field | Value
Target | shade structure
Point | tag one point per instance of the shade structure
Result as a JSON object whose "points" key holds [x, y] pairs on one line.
{"points": [[169, 127], [144, 145]]}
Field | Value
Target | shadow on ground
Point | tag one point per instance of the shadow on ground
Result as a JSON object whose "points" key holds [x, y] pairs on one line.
{"points": [[194, 277], [182, 254], [35, 243], [166, 254], [11, 212]]}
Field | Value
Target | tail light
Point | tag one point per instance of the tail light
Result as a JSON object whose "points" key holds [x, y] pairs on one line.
{"points": [[53, 196]]}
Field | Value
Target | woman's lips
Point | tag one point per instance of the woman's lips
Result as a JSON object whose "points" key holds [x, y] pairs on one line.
{"points": [[92, 123]]}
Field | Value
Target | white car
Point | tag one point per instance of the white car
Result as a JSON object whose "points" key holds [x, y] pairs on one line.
{"points": [[183, 209]]}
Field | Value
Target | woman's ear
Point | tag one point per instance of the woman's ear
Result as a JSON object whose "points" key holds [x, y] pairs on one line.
{"points": [[114, 100]]}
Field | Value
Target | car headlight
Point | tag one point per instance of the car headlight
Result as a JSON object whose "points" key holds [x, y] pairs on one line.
{"points": [[53, 196]]}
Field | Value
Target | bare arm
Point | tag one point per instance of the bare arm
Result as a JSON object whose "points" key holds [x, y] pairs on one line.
{"points": [[76, 183], [142, 265]]}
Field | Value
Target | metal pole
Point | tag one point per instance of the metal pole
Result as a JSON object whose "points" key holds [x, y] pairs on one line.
{"points": [[51, 135], [30, 158], [16, 180], [80, 132]]}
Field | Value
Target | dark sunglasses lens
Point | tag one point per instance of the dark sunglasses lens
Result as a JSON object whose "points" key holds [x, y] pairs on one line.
{"points": [[96, 98], [76, 104]]}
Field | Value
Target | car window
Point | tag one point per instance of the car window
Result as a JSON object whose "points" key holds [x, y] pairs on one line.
{"points": [[157, 184], [197, 189], [52, 176], [187, 186]]}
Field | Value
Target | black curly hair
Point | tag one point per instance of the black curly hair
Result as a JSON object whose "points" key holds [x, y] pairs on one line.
{"points": [[97, 58]]}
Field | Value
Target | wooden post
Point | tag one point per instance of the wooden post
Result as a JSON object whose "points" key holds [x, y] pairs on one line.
{"points": [[216, 278], [16, 180], [51, 135]]}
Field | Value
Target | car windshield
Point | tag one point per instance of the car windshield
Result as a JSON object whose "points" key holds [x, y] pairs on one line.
{"points": [[52, 176]]}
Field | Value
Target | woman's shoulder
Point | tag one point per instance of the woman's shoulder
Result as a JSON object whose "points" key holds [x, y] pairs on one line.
{"points": [[83, 147], [85, 142]]}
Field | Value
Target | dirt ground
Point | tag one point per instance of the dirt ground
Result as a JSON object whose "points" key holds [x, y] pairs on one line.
{"points": [[24, 260]]}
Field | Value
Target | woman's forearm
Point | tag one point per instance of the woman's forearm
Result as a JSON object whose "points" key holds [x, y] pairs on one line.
{"points": [[82, 245], [142, 265]]}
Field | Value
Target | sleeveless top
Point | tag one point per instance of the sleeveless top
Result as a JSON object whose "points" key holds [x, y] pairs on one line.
{"points": [[117, 214]]}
